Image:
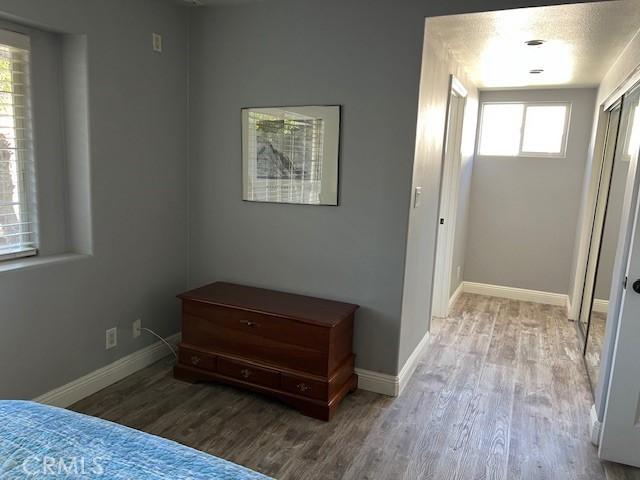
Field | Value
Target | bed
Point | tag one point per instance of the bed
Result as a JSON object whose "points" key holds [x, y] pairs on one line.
{"points": [[38, 441]]}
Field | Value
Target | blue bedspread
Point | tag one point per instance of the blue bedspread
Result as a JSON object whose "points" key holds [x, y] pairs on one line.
{"points": [[42, 442]]}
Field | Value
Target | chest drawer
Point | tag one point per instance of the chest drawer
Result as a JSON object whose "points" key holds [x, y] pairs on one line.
{"points": [[266, 326], [195, 358], [304, 386], [251, 345], [248, 373]]}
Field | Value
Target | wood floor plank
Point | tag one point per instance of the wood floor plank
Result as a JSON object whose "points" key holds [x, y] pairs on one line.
{"points": [[500, 393], [488, 426], [433, 453], [503, 348]]}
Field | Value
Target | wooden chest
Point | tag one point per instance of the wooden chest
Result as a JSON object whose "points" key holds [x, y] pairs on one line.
{"points": [[296, 348]]}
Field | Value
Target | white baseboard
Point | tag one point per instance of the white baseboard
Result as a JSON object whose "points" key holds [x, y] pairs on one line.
{"points": [[378, 382], [455, 296], [594, 426], [412, 362], [392, 385], [91, 383], [513, 293], [569, 312], [601, 306]]}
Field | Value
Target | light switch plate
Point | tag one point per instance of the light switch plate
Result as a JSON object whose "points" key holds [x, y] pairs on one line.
{"points": [[416, 197]]}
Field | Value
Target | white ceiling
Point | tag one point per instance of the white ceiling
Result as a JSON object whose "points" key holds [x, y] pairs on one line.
{"points": [[581, 42]]}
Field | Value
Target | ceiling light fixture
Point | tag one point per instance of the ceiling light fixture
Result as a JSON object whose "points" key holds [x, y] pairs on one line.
{"points": [[536, 71], [534, 43]]}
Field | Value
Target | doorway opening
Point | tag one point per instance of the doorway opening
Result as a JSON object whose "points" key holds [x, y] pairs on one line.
{"points": [[536, 168]]}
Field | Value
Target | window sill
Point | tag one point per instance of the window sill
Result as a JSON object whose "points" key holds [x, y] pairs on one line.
{"points": [[18, 254], [33, 262]]}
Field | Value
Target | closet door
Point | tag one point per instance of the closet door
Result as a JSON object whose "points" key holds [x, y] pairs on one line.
{"points": [[620, 440], [599, 309], [602, 198]]}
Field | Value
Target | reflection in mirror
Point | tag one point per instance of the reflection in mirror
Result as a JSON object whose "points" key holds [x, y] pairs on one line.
{"points": [[627, 144], [604, 177], [604, 271]]}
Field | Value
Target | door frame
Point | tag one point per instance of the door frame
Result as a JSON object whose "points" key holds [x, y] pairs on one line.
{"points": [[448, 205]]}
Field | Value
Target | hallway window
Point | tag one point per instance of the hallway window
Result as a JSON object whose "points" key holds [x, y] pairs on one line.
{"points": [[545, 129], [524, 129]]}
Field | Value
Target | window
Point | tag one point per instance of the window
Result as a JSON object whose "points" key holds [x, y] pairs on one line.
{"points": [[18, 224], [524, 129]]}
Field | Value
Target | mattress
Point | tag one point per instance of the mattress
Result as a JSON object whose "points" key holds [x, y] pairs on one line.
{"points": [[38, 441]]}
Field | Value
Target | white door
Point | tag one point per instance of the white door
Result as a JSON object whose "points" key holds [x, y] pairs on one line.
{"points": [[620, 438], [449, 190]]}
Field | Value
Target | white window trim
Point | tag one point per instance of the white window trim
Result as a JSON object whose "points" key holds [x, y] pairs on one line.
{"points": [[526, 154]]}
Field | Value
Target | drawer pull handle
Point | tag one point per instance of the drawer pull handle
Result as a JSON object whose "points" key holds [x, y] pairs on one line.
{"points": [[303, 387], [249, 324], [245, 372], [195, 360]]}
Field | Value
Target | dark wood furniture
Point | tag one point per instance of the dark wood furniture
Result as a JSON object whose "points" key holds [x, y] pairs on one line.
{"points": [[292, 347]]}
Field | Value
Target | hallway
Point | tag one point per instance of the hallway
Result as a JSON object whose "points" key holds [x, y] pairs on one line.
{"points": [[532, 391], [501, 393]]}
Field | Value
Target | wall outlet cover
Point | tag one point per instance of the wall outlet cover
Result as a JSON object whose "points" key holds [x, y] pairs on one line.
{"points": [[111, 338], [137, 328], [157, 42]]}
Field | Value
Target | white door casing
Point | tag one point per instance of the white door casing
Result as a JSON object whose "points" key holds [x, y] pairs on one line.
{"points": [[449, 191]]}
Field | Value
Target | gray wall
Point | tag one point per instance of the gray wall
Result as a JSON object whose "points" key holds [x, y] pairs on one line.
{"points": [[462, 220], [55, 313], [364, 55], [524, 210], [464, 193], [296, 53]]}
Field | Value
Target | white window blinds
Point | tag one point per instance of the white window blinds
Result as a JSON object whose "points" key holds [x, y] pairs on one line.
{"points": [[18, 221], [287, 153]]}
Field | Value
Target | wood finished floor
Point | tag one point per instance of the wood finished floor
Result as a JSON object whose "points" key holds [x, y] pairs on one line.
{"points": [[499, 393], [594, 345]]}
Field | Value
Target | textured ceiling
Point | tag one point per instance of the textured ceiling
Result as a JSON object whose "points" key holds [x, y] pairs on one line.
{"points": [[581, 42]]}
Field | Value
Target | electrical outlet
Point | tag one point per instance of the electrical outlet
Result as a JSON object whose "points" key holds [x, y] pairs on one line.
{"points": [[137, 328], [458, 273], [112, 338], [156, 40]]}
